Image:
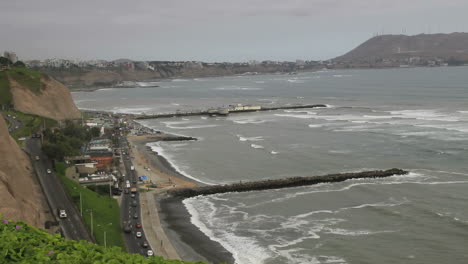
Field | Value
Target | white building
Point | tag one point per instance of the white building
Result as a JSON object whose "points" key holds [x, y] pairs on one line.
{"points": [[11, 56]]}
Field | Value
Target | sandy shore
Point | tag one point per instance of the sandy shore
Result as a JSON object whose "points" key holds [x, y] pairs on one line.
{"points": [[174, 236]]}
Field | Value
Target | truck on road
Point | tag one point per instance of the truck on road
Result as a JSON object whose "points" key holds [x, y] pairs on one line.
{"points": [[133, 190]]}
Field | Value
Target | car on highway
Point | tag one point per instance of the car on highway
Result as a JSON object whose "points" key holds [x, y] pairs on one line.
{"points": [[138, 234], [150, 253], [134, 203], [138, 225], [144, 244], [49, 171], [135, 216], [62, 213], [133, 195], [37, 158], [127, 227]]}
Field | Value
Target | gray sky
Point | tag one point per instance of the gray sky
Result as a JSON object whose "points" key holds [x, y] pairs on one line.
{"points": [[214, 30]]}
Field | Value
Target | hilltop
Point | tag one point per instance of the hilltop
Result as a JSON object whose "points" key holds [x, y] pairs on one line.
{"points": [[32, 92], [416, 50]]}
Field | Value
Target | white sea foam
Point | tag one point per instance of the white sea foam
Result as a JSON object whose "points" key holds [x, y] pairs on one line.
{"points": [[248, 121], [342, 75], [156, 147], [245, 250], [340, 151], [344, 232], [180, 80], [295, 81], [316, 125], [106, 89], [131, 110], [258, 138], [430, 115], [171, 124], [390, 203], [274, 152], [255, 146], [300, 111], [306, 116], [237, 88]]}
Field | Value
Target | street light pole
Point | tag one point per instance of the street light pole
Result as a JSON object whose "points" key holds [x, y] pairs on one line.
{"points": [[91, 213], [81, 206]]}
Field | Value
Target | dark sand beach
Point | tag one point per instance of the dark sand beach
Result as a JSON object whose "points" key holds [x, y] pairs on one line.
{"points": [[190, 243]]}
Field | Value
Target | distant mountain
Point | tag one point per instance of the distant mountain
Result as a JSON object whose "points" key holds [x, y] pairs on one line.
{"points": [[442, 47]]}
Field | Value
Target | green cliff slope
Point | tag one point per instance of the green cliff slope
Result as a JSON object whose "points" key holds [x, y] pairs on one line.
{"points": [[21, 243]]}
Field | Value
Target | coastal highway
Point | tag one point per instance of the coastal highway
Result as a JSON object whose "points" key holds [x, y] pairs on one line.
{"points": [[127, 211], [15, 123], [72, 226]]}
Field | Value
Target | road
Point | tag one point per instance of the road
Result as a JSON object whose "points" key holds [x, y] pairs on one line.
{"points": [[127, 211], [15, 123], [72, 226]]}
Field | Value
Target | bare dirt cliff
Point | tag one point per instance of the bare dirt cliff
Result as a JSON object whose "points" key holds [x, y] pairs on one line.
{"points": [[20, 197], [53, 100]]}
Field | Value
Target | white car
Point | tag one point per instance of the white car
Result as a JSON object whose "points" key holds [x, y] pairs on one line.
{"points": [[138, 234], [49, 171], [62, 213], [150, 253]]}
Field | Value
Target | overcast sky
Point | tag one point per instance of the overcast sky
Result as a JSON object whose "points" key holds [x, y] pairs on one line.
{"points": [[214, 30]]}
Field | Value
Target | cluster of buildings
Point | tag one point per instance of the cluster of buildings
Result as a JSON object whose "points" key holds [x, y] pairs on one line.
{"points": [[99, 156], [154, 65]]}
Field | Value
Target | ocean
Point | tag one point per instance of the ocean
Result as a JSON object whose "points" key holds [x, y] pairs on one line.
{"points": [[415, 119]]}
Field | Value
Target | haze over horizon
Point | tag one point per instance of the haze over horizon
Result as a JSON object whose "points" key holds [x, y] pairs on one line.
{"points": [[213, 30]]}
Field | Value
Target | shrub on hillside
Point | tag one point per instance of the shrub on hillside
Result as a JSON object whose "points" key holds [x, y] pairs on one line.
{"points": [[21, 243]]}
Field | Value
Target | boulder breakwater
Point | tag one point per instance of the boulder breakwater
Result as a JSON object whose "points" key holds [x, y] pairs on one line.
{"points": [[223, 111], [282, 183]]}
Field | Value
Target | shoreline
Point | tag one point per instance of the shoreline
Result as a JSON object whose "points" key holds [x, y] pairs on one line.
{"points": [[190, 243]]}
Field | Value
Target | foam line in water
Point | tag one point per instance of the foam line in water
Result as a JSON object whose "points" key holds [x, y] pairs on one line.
{"points": [[156, 147], [245, 250]]}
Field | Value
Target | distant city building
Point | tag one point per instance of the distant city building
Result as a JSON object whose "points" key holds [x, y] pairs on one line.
{"points": [[11, 56]]}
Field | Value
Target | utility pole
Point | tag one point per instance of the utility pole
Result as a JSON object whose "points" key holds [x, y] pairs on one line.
{"points": [[81, 206], [105, 240], [91, 213]]}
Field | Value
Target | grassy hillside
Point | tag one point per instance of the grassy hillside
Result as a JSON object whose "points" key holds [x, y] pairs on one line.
{"points": [[24, 76], [5, 94], [21, 243], [105, 210]]}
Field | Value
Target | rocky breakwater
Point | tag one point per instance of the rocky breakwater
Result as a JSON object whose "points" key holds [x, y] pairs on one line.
{"points": [[177, 138], [282, 183]]}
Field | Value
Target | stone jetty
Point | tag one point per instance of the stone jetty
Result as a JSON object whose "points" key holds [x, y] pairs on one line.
{"points": [[282, 183], [223, 111]]}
